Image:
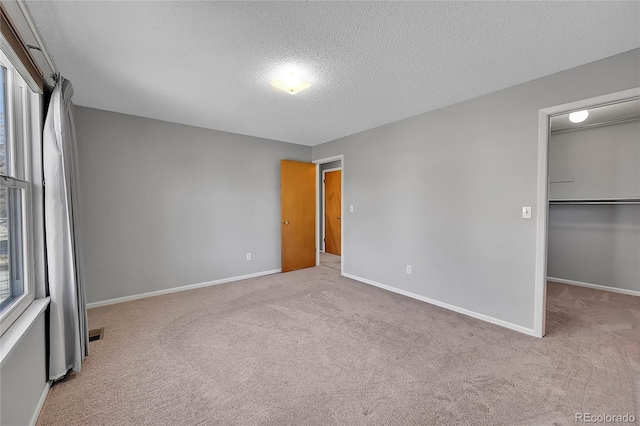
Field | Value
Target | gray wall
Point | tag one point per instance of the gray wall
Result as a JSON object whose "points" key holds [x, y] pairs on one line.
{"points": [[24, 377], [326, 166], [595, 244], [443, 191], [599, 162], [166, 205]]}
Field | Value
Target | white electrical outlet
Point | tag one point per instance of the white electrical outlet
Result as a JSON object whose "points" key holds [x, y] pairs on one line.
{"points": [[526, 212], [409, 269], [248, 256]]}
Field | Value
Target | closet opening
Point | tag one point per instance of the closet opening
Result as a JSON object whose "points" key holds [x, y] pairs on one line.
{"points": [[589, 214]]}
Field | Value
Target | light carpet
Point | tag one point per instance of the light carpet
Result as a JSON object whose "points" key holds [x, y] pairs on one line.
{"points": [[313, 348], [331, 261]]}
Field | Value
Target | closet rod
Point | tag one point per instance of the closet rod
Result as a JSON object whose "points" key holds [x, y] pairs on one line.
{"points": [[603, 202]]}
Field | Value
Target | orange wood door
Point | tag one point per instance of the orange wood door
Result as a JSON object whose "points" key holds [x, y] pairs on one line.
{"points": [[298, 210], [332, 212]]}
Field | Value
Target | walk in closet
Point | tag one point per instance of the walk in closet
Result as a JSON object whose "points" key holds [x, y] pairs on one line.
{"points": [[594, 198]]}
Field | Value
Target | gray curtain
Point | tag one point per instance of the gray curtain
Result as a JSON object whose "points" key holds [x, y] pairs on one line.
{"points": [[68, 331]]}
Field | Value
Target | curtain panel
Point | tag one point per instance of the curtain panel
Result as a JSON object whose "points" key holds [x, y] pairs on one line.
{"points": [[68, 330]]}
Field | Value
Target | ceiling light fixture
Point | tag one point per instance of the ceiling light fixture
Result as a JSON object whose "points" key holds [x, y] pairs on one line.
{"points": [[291, 82], [578, 116]]}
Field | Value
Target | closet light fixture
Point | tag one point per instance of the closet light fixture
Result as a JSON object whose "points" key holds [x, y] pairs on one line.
{"points": [[578, 116], [291, 82]]}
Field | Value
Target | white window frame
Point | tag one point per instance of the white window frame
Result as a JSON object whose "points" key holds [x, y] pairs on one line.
{"points": [[20, 128]]}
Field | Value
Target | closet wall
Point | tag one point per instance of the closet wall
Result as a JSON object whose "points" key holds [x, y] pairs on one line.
{"points": [[597, 244]]}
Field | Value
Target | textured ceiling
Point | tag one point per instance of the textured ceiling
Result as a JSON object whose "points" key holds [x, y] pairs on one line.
{"points": [[208, 64]]}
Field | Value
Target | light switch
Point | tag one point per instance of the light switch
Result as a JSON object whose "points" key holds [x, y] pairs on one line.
{"points": [[351, 208], [526, 212]]}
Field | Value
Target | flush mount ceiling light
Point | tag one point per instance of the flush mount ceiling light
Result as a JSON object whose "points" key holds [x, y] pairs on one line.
{"points": [[578, 116], [290, 81]]}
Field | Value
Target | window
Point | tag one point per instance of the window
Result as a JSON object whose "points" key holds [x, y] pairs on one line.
{"points": [[16, 289]]}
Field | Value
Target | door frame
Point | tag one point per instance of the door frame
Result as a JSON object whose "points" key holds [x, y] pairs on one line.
{"points": [[318, 214], [323, 214], [542, 203]]}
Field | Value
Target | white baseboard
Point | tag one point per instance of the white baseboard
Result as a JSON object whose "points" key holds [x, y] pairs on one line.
{"points": [[43, 396], [529, 331], [596, 286], [177, 289]]}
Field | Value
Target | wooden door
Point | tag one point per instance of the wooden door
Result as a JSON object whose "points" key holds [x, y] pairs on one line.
{"points": [[298, 210], [332, 212]]}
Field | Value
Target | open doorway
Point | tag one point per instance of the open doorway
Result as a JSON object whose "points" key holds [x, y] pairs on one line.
{"points": [[330, 212], [576, 185]]}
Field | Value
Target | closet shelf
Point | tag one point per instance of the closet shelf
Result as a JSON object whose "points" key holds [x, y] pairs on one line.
{"points": [[604, 201]]}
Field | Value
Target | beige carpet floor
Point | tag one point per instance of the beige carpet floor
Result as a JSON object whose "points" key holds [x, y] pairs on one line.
{"points": [[313, 348], [331, 261]]}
